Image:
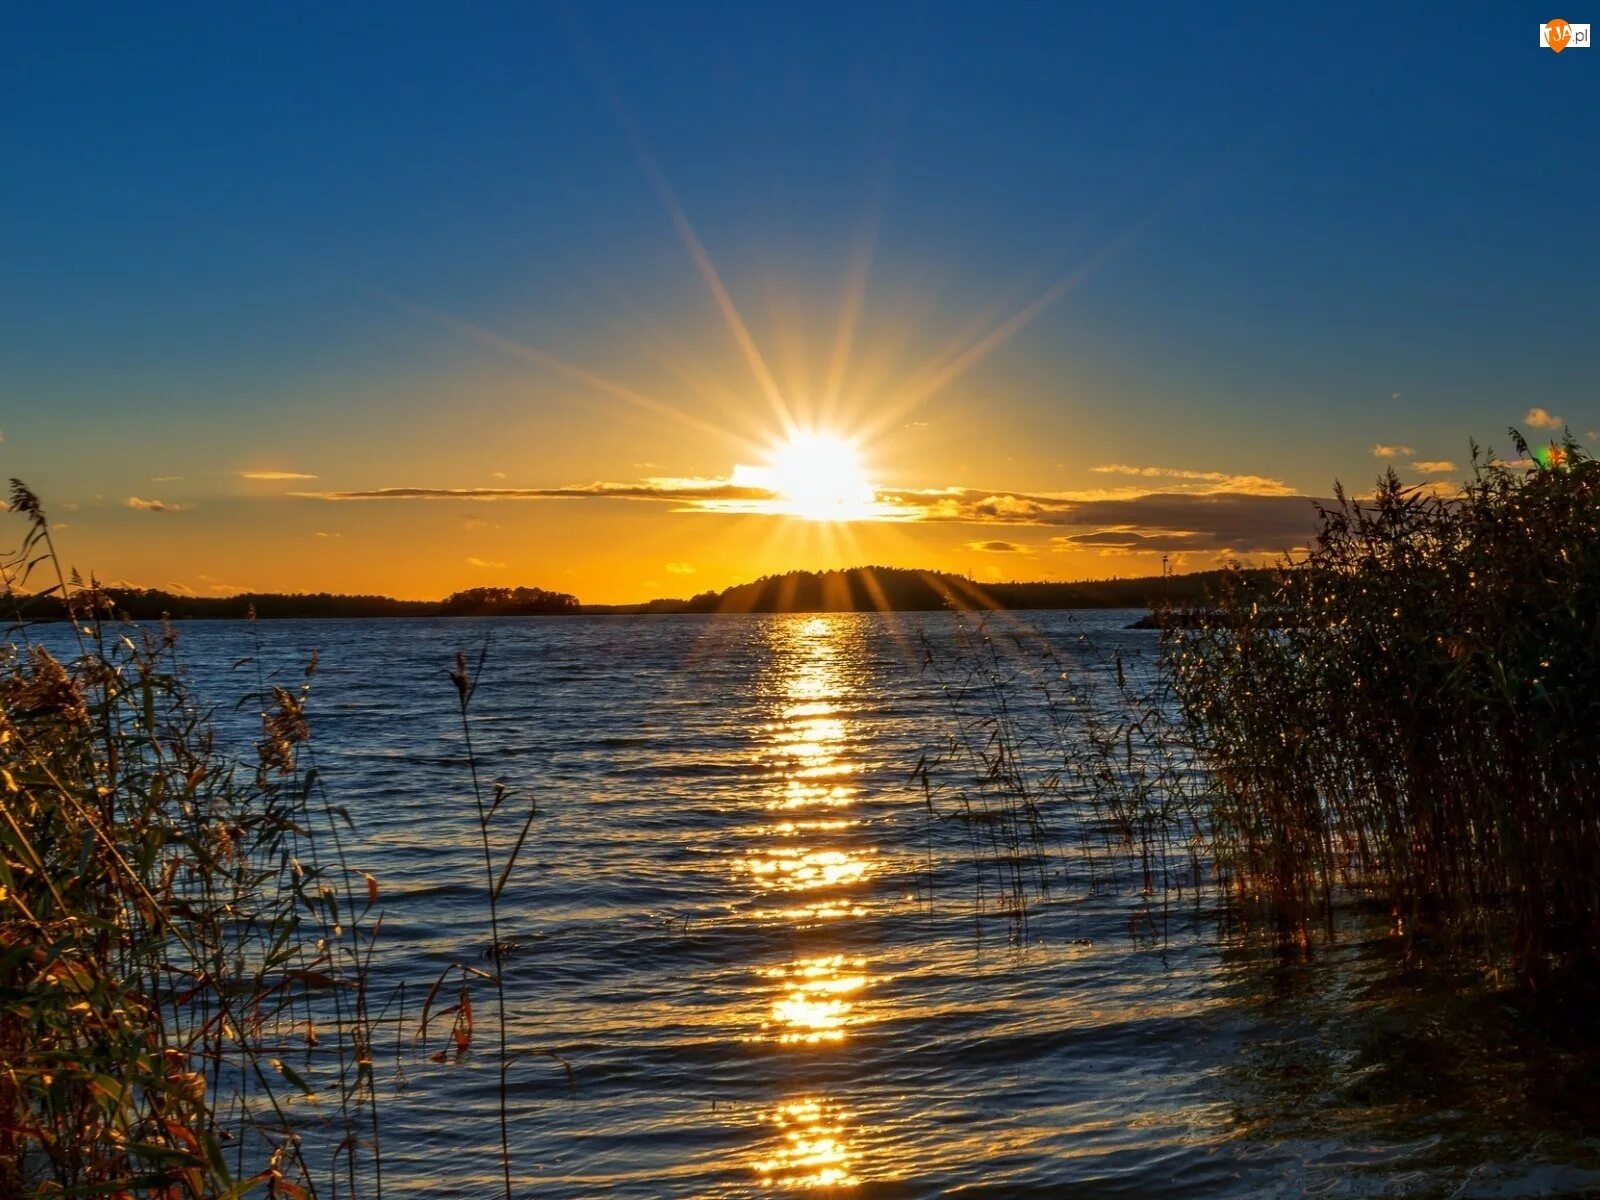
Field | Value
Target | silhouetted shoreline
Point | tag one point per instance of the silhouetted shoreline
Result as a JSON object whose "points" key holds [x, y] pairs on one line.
{"points": [[859, 589]]}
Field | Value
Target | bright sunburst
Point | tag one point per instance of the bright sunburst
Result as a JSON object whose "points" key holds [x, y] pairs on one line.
{"points": [[817, 476]]}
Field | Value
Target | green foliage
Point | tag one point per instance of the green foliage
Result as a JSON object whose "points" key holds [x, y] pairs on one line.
{"points": [[1413, 715]]}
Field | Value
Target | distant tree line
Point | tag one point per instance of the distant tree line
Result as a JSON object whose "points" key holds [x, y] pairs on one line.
{"points": [[860, 589], [150, 604]]}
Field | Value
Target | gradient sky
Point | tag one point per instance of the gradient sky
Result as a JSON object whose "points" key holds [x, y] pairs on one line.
{"points": [[1088, 289]]}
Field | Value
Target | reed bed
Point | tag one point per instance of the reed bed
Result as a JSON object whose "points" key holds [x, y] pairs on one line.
{"points": [[1064, 763], [187, 983], [184, 953], [1410, 717]]}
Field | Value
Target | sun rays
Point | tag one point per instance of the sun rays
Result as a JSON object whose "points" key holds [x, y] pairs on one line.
{"points": [[825, 403], [797, 409]]}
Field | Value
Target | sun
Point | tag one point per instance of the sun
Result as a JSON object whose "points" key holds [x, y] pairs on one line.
{"points": [[816, 476]]}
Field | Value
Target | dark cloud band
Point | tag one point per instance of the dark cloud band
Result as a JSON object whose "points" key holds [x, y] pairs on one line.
{"points": [[1154, 521]]}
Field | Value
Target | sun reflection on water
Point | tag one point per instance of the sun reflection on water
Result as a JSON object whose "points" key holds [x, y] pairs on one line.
{"points": [[797, 867], [811, 1150], [812, 1003]]}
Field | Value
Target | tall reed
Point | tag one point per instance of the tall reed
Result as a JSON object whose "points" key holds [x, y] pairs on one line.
{"points": [[1410, 716], [495, 876], [1062, 760]]}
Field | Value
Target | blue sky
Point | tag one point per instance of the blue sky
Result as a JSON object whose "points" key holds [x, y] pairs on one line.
{"points": [[239, 241]]}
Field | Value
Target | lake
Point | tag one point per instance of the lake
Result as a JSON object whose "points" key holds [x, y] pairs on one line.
{"points": [[771, 967]]}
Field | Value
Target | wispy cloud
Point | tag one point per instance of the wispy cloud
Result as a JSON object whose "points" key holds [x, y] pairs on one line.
{"points": [[1218, 481], [275, 476], [648, 489], [328, 536], [1382, 450], [680, 568], [1243, 524], [485, 564], [978, 506], [1540, 419], [165, 478], [1440, 466], [1442, 489], [998, 547], [158, 506], [1129, 539]]}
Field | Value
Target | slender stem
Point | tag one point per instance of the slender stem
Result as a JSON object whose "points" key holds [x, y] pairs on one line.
{"points": [[465, 688]]}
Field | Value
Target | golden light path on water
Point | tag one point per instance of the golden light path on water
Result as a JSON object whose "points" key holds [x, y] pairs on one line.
{"points": [[813, 870]]}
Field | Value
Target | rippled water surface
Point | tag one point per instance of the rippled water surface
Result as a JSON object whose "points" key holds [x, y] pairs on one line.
{"points": [[766, 966]]}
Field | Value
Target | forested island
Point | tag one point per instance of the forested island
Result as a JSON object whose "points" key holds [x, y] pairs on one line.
{"points": [[886, 589], [859, 589]]}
